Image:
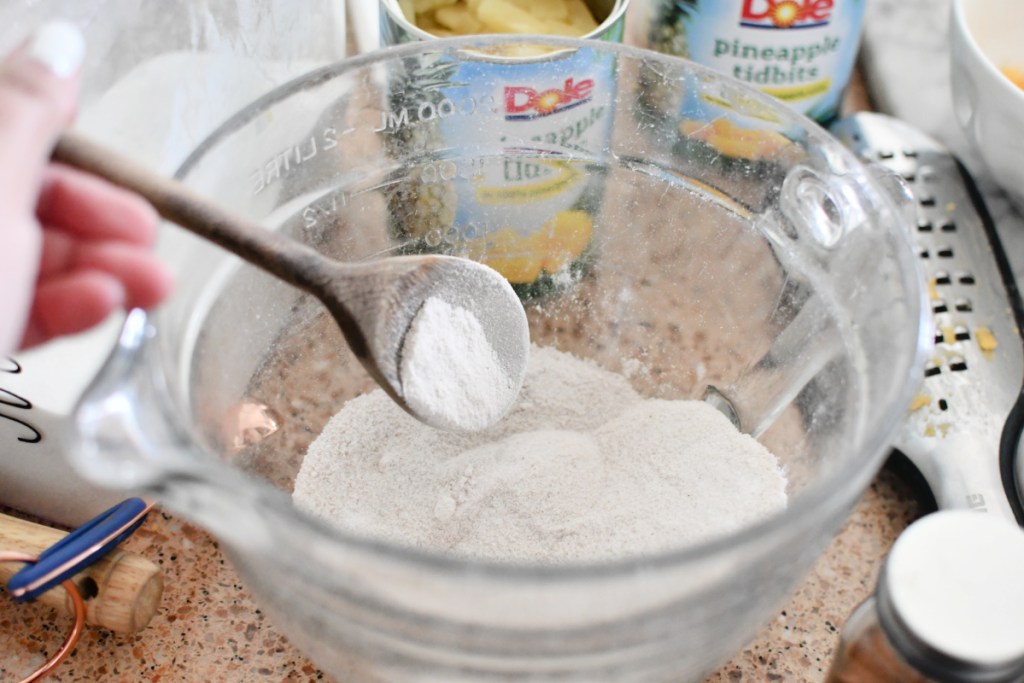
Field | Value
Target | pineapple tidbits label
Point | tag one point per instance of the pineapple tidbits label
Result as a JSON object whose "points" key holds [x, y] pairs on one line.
{"points": [[800, 51]]}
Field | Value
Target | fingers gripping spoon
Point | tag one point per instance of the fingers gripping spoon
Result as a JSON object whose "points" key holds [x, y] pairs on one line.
{"points": [[375, 303]]}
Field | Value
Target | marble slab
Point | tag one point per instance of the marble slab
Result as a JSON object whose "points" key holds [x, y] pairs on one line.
{"points": [[905, 61]]}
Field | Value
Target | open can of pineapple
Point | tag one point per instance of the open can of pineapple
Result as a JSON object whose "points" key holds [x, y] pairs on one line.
{"points": [[506, 142]]}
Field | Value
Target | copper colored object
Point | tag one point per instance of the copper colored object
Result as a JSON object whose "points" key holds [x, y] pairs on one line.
{"points": [[76, 629]]}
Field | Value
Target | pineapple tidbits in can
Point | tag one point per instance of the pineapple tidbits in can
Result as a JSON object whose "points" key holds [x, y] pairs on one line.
{"points": [[501, 149], [800, 51]]}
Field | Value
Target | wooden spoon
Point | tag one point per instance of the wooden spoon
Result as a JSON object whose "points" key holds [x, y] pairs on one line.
{"points": [[374, 302]]}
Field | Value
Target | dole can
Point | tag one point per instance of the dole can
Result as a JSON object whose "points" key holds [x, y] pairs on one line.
{"points": [[799, 51], [510, 139]]}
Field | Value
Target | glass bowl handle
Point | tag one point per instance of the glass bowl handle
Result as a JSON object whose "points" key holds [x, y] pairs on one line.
{"points": [[129, 436]]}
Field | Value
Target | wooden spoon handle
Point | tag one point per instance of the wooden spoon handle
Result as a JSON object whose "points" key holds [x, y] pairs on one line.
{"points": [[287, 259], [122, 590]]}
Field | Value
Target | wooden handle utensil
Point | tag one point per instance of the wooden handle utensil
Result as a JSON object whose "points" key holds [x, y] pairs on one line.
{"points": [[373, 302], [122, 590]]}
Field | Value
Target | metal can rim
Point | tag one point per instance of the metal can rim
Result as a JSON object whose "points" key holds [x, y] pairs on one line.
{"points": [[397, 16]]}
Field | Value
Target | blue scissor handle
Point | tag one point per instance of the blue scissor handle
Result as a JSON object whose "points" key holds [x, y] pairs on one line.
{"points": [[79, 549]]}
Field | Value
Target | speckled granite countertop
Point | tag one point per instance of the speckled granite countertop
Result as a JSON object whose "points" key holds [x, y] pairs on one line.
{"points": [[208, 628]]}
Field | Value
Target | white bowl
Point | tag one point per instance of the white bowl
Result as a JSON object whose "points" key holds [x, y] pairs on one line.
{"points": [[986, 36]]}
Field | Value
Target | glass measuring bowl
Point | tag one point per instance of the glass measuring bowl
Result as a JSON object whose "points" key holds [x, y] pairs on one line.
{"points": [[735, 251]]}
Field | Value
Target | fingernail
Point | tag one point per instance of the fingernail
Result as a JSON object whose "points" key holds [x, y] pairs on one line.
{"points": [[59, 46]]}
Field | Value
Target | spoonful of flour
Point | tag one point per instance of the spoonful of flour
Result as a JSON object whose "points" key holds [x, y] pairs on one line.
{"points": [[450, 372], [582, 468]]}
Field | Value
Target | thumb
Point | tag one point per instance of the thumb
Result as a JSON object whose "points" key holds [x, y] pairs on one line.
{"points": [[38, 92]]}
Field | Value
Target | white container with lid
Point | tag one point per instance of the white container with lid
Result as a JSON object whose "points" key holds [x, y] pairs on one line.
{"points": [[949, 607]]}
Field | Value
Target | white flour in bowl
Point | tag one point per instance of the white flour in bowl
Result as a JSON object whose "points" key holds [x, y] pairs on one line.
{"points": [[582, 468]]}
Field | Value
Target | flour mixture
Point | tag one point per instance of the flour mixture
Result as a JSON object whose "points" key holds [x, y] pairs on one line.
{"points": [[582, 468]]}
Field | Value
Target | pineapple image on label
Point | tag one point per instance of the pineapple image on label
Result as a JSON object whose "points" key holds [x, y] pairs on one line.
{"points": [[522, 259], [667, 32], [419, 206]]}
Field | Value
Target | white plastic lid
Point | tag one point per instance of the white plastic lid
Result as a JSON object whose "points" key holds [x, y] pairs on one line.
{"points": [[954, 581]]}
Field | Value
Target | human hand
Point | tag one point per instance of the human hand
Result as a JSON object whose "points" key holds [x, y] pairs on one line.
{"points": [[73, 248]]}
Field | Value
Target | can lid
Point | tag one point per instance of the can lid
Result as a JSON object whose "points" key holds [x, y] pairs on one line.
{"points": [[951, 596]]}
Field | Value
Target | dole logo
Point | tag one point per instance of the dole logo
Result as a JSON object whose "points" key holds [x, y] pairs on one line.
{"points": [[523, 102], [785, 13]]}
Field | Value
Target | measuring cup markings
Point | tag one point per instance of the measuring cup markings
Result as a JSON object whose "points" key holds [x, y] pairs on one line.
{"points": [[445, 170], [325, 207], [281, 164], [395, 119], [571, 135]]}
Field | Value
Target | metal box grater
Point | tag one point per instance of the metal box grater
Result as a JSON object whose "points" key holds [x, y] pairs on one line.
{"points": [[963, 429]]}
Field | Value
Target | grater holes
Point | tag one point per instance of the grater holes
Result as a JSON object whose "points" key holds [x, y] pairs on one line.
{"points": [[931, 369], [942, 277], [886, 154], [909, 176], [924, 225], [963, 305], [927, 200], [961, 333], [939, 337], [943, 404], [965, 278], [958, 364], [948, 226], [944, 252], [922, 252], [939, 306]]}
